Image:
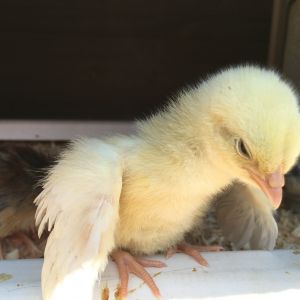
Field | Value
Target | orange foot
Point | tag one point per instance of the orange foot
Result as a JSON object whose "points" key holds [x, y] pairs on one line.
{"points": [[20, 237], [126, 263], [193, 251]]}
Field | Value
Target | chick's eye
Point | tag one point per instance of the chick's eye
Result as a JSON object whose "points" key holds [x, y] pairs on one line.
{"points": [[242, 149]]}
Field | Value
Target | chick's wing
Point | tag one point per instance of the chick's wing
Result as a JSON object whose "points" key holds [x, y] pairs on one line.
{"points": [[246, 217], [79, 202]]}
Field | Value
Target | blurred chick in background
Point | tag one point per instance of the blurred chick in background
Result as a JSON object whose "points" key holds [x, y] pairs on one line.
{"points": [[292, 188], [245, 215], [127, 196], [21, 167]]}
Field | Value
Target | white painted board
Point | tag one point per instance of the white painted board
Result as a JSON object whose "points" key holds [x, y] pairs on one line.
{"points": [[231, 275]]}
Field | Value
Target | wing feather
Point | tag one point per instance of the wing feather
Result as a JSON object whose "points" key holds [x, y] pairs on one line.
{"points": [[246, 217], [79, 203]]}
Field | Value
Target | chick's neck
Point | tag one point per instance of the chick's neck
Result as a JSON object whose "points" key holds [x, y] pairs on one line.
{"points": [[182, 139]]}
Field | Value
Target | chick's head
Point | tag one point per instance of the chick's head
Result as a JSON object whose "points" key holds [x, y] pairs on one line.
{"points": [[256, 125]]}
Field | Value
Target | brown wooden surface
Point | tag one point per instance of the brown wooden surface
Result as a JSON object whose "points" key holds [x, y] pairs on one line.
{"points": [[118, 59]]}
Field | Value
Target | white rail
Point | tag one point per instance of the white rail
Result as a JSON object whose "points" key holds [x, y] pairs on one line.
{"points": [[258, 275]]}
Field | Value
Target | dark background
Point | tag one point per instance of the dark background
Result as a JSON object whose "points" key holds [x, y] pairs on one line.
{"points": [[120, 59]]}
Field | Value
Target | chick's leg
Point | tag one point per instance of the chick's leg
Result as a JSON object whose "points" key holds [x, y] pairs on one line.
{"points": [[126, 264], [193, 251]]}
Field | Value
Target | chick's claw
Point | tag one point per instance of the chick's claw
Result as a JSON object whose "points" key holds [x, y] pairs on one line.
{"points": [[126, 264], [193, 251]]}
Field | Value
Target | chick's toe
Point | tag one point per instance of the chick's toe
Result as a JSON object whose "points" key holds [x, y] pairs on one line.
{"points": [[126, 263], [193, 251]]}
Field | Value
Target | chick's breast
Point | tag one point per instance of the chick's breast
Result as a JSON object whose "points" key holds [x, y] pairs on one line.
{"points": [[158, 208], [151, 221]]}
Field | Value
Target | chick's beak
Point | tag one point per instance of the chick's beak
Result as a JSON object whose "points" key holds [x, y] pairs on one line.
{"points": [[271, 185]]}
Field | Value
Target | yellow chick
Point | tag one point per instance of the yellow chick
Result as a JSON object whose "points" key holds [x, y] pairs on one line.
{"points": [[134, 195]]}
